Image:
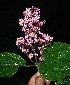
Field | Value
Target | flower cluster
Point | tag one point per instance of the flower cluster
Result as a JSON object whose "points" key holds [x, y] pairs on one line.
{"points": [[31, 26]]}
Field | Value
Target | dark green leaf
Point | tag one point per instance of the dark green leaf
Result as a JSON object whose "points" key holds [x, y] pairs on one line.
{"points": [[65, 81], [56, 65], [9, 64]]}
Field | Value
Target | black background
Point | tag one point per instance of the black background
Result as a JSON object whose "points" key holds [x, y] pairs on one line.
{"points": [[57, 16]]}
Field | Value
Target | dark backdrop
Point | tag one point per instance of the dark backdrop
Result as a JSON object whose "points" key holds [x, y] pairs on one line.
{"points": [[57, 16]]}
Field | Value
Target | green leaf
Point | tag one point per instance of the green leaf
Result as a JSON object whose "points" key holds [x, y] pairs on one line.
{"points": [[65, 81], [9, 64], [56, 64]]}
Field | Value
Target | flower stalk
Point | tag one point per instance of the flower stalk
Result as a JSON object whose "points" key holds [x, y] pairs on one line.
{"points": [[33, 36]]}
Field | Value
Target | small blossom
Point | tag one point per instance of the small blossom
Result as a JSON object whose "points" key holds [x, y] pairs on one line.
{"points": [[21, 22], [41, 58], [39, 48], [36, 54], [30, 56]]}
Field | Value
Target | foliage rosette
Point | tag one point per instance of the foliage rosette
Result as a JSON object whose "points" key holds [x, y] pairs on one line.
{"points": [[56, 64], [9, 64]]}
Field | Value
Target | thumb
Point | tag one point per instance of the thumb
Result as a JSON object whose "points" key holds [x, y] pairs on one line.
{"points": [[39, 80]]}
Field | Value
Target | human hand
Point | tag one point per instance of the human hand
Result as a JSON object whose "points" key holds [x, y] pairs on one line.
{"points": [[37, 79]]}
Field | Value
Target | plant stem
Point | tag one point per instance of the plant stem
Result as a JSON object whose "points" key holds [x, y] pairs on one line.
{"points": [[30, 65], [35, 56], [36, 60], [32, 61]]}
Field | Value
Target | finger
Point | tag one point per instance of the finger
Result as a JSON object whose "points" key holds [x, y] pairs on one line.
{"points": [[47, 82]]}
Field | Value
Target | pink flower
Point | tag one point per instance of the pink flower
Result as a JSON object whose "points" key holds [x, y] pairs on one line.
{"points": [[41, 58], [31, 27], [21, 22], [35, 40], [39, 48], [30, 55]]}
